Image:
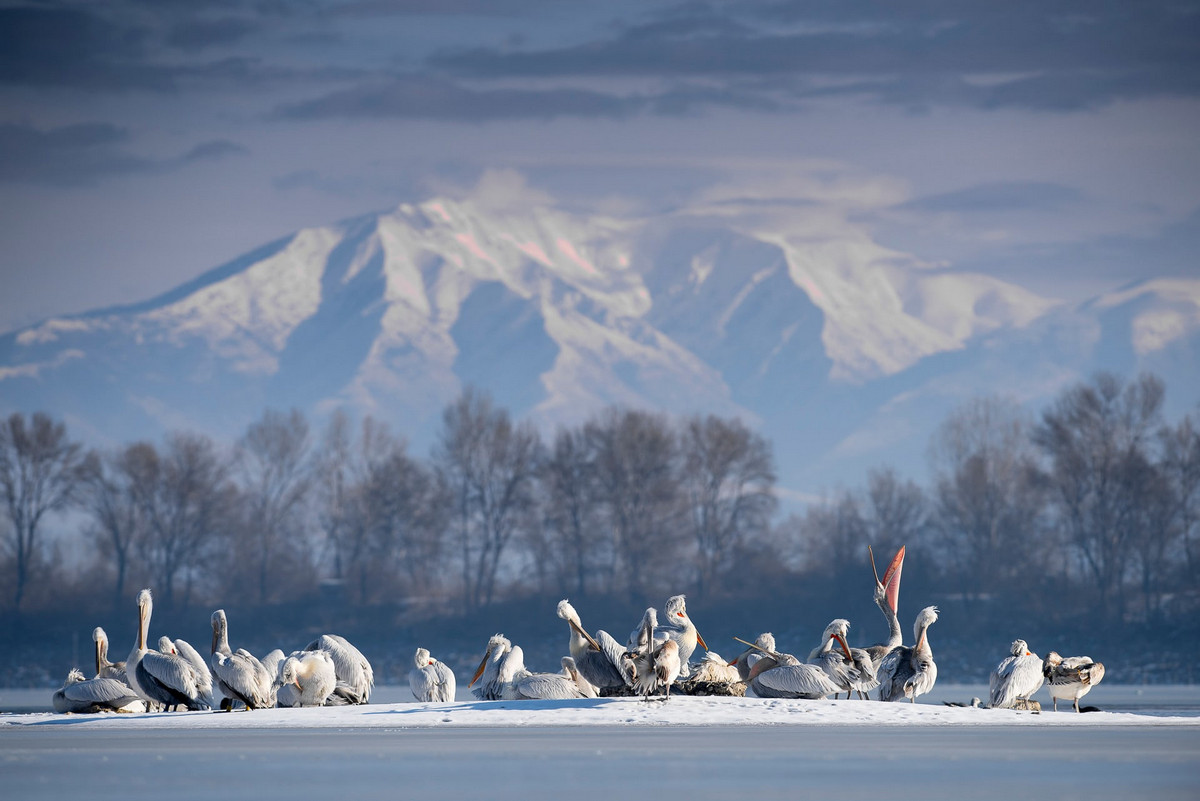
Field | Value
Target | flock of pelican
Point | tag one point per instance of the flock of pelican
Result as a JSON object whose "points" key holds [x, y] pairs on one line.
{"points": [[328, 672], [654, 657]]}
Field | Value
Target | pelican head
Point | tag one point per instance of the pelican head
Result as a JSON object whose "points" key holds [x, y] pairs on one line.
{"points": [[676, 611], [888, 590], [421, 658], [75, 676], [567, 612], [165, 646], [495, 642], [1020, 648], [569, 665], [925, 618], [98, 636], [145, 604], [837, 630], [289, 672], [220, 628]]}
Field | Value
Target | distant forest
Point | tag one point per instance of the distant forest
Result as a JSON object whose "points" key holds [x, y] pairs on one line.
{"points": [[1078, 526]]}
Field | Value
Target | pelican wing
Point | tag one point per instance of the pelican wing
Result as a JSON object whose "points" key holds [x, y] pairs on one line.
{"points": [[445, 685], [603, 668], [422, 682], [895, 670], [843, 674], [794, 681], [546, 686], [239, 679], [108, 692], [169, 680], [1015, 677]]}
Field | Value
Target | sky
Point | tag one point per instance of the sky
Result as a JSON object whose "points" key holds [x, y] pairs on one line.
{"points": [[1052, 144]]}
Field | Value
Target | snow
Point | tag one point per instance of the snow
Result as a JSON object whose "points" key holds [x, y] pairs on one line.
{"points": [[679, 710]]}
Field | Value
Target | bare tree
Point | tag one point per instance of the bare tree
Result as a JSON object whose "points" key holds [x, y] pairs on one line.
{"points": [[187, 502], [40, 470], [988, 499], [729, 477], [570, 511], [489, 466], [276, 474], [636, 459], [896, 511], [1180, 465], [1097, 438], [112, 498]]}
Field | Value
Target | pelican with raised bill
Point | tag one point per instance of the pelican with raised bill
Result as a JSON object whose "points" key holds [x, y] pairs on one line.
{"points": [[887, 598]]}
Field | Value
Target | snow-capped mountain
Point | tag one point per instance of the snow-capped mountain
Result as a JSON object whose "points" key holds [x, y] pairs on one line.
{"points": [[845, 353]]}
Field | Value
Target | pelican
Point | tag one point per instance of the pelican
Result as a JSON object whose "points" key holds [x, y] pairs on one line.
{"points": [[868, 676], [184, 650], [1071, 678], [356, 679], [489, 668], [598, 660], [311, 673], [518, 684], [586, 688], [165, 679], [776, 675], [238, 675], [101, 694], [1017, 677], [764, 643], [431, 680], [680, 628], [887, 598], [104, 668], [655, 661], [714, 668], [909, 672], [839, 667]]}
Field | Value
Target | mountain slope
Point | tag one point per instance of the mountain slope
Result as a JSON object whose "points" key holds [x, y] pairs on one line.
{"points": [[844, 352]]}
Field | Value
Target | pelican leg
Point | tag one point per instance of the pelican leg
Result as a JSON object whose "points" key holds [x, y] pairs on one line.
{"points": [[1076, 704]]}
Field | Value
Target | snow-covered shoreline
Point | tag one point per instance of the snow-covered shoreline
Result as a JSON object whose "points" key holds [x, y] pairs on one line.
{"points": [[678, 711]]}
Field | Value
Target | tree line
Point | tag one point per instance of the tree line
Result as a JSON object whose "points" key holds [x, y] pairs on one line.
{"points": [[1092, 504]]}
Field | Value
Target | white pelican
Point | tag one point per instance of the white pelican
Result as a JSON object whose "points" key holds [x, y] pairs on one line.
{"points": [[431, 680], [656, 662], [1017, 677], [164, 679], [356, 679], [838, 665], [764, 643], [184, 650], [81, 695], [1071, 678], [311, 674], [887, 598], [598, 660], [238, 676], [586, 688], [776, 675], [489, 668], [910, 672], [104, 668], [518, 684], [680, 628], [714, 668]]}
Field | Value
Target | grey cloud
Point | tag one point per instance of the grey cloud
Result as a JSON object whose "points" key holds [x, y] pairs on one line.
{"points": [[80, 155], [1070, 55], [419, 97], [1000, 197], [201, 33]]}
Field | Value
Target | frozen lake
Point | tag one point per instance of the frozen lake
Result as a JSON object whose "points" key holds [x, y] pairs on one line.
{"points": [[700, 747], [604, 762]]}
